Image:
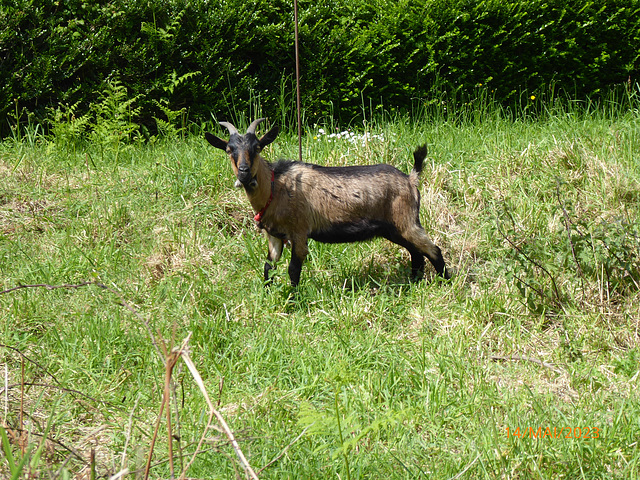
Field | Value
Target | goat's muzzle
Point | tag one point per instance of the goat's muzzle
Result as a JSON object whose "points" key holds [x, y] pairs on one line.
{"points": [[245, 178]]}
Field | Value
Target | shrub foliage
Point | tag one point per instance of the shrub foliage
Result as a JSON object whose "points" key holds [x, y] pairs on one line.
{"points": [[202, 57]]}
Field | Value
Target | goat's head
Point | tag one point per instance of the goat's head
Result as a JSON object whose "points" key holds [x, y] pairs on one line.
{"points": [[244, 150]]}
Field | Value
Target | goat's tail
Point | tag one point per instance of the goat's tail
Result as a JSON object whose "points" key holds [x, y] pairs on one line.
{"points": [[419, 155]]}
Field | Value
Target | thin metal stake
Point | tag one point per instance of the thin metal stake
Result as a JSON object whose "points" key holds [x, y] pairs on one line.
{"points": [[295, 17]]}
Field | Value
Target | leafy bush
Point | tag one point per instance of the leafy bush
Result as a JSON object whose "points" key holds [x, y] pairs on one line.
{"points": [[606, 253], [201, 57]]}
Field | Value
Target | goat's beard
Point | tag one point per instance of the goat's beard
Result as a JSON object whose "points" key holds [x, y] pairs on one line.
{"points": [[251, 184]]}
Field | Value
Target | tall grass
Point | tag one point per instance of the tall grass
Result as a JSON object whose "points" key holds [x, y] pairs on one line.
{"points": [[358, 373]]}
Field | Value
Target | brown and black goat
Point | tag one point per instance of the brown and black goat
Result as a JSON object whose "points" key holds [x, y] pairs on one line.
{"points": [[296, 201]]}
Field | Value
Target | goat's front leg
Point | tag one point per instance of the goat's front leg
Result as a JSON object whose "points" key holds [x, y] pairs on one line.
{"points": [[299, 251], [275, 252]]}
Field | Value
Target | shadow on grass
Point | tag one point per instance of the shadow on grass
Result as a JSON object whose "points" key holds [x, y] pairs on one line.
{"points": [[373, 279]]}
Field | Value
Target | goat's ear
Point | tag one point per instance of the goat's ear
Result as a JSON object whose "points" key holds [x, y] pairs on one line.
{"points": [[215, 141], [269, 137]]}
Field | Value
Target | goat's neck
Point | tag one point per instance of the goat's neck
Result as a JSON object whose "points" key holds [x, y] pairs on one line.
{"points": [[259, 196]]}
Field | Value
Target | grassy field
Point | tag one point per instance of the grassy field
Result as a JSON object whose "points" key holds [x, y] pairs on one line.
{"points": [[525, 365]]}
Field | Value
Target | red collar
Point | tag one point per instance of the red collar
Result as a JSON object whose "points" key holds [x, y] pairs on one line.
{"points": [[260, 214]]}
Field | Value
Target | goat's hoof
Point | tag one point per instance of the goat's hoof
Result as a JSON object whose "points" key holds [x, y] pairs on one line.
{"points": [[449, 273]]}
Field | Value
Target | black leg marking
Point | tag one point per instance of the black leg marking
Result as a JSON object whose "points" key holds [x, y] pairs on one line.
{"points": [[267, 268], [439, 265], [417, 264], [295, 267]]}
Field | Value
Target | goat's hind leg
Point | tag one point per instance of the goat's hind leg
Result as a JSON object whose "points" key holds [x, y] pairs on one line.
{"points": [[275, 252], [417, 263], [417, 255], [420, 244]]}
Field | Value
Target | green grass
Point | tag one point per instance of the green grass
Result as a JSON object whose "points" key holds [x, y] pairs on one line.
{"points": [[382, 378]]}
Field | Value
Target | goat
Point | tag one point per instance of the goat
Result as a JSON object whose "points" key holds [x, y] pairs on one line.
{"points": [[296, 201]]}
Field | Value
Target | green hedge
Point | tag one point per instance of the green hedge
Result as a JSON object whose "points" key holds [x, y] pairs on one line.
{"points": [[215, 57]]}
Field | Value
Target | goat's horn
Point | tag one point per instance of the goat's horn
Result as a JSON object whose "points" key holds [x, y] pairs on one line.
{"points": [[254, 124], [230, 127]]}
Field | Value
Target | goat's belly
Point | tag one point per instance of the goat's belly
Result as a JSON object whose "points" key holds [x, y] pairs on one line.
{"points": [[355, 231]]}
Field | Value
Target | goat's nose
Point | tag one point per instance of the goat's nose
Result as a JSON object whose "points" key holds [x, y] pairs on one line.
{"points": [[244, 173]]}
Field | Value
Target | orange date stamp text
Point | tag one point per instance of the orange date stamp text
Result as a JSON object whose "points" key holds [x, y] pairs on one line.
{"points": [[554, 432]]}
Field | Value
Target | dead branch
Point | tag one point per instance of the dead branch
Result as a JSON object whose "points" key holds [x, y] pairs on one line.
{"points": [[557, 298], [567, 224], [520, 358], [213, 412], [170, 360], [285, 449], [30, 360], [62, 389]]}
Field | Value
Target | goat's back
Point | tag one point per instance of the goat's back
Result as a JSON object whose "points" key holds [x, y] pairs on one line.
{"points": [[325, 195]]}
